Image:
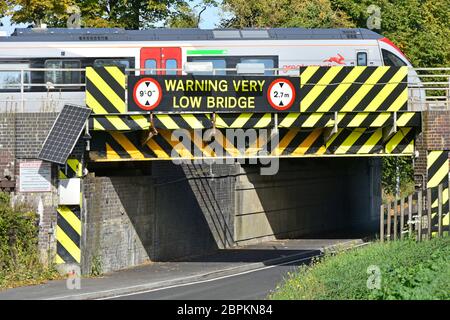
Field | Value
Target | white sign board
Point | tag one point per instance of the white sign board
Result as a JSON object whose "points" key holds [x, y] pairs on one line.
{"points": [[35, 176], [69, 191]]}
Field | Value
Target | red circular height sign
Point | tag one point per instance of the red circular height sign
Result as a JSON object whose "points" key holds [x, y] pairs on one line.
{"points": [[147, 93], [281, 94]]}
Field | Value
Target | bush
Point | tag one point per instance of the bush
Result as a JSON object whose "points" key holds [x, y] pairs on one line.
{"points": [[409, 270], [19, 255]]}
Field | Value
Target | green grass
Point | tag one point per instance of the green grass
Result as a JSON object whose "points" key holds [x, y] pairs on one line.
{"points": [[409, 270]]}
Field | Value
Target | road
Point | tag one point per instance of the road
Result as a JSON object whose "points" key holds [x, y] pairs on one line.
{"points": [[256, 284]]}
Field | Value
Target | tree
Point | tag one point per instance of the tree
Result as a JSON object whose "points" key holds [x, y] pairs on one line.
{"points": [[129, 14], [283, 13], [420, 28]]}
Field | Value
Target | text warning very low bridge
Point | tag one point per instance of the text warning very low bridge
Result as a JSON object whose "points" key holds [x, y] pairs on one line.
{"points": [[326, 111]]}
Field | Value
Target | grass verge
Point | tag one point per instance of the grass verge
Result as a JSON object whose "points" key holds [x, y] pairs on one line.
{"points": [[408, 271]]}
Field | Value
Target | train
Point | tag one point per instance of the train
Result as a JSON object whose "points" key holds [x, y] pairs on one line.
{"points": [[41, 69]]}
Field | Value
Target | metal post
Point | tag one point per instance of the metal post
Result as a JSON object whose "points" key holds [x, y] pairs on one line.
{"points": [[410, 207], [402, 217], [395, 217], [382, 223], [419, 215], [388, 227], [22, 97], [440, 210]]}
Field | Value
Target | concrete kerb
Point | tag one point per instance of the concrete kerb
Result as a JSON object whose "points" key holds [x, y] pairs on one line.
{"points": [[103, 294]]}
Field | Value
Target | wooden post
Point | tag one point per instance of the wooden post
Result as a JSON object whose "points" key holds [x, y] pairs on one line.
{"points": [[395, 217], [410, 208], [402, 217], [419, 215], [429, 205], [388, 227], [440, 210], [382, 223]]}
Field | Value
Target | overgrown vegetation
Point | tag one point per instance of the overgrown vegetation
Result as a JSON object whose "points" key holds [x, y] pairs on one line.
{"points": [[19, 256], [393, 167], [408, 270]]}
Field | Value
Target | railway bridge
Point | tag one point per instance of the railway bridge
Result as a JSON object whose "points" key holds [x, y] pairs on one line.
{"points": [[160, 167]]}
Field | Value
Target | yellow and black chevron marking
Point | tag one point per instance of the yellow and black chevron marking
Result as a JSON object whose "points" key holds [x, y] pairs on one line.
{"points": [[119, 146], [142, 122], [437, 171], [244, 120], [105, 90], [348, 119], [73, 169], [253, 120], [347, 89], [68, 233]]}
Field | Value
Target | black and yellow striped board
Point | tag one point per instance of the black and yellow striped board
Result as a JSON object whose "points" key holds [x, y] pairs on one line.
{"points": [[348, 89], [68, 235], [105, 90], [253, 120], [72, 169], [438, 171], [123, 146]]}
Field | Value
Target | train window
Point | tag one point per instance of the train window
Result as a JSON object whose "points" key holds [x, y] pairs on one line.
{"points": [[150, 64], [218, 63], [390, 59], [62, 76], [268, 64], [10, 80], [361, 59], [171, 64], [112, 62]]}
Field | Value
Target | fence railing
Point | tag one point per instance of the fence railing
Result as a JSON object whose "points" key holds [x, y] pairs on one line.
{"points": [[412, 216], [429, 88]]}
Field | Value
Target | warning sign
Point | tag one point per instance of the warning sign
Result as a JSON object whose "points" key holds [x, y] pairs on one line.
{"points": [[174, 93], [281, 94], [147, 93]]}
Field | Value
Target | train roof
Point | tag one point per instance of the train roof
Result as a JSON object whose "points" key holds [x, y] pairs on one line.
{"points": [[165, 34]]}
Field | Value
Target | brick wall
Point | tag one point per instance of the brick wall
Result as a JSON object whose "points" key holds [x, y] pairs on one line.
{"points": [[435, 136], [21, 138], [173, 212]]}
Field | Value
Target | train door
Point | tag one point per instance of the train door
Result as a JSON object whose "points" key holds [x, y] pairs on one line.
{"points": [[161, 58]]}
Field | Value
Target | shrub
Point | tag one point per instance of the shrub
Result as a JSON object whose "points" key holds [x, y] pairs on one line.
{"points": [[19, 256]]}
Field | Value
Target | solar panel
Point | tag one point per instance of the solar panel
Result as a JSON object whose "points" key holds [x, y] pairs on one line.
{"points": [[64, 134]]}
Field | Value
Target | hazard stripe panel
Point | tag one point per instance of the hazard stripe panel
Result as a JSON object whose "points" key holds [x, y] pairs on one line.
{"points": [[105, 89], [72, 169], [438, 171], [68, 234], [119, 146], [347, 89], [253, 120]]}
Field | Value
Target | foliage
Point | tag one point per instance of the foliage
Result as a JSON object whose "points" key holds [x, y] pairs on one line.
{"points": [[130, 14], [183, 17], [420, 28], [19, 257], [283, 13], [409, 270], [389, 173]]}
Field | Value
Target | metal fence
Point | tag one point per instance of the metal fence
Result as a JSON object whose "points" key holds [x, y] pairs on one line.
{"points": [[429, 88], [412, 217]]}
